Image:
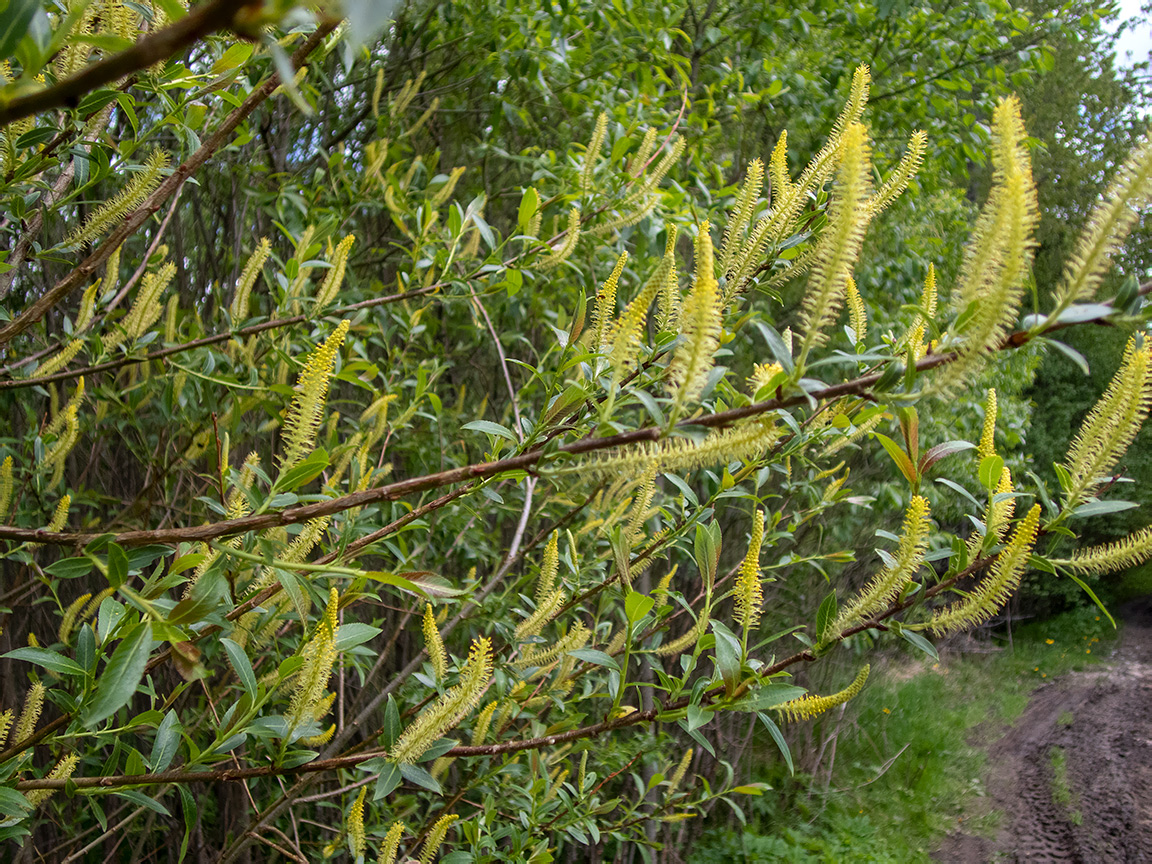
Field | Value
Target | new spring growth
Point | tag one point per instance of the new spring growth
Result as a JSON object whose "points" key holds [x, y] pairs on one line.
{"points": [[997, 517], [128, 199], [749, 593], [1112, 423], [742, 211], [678, 775], [988, 435], [623, 339], [445, 191], [544, 613], [357, 839], [915, 337], [333, 281], [700, 324], [898, 180], [447, 711], [668, 300], [542, 655], [810, 706], [70, 614], [241, 297], [436, 838], [61, 358], [839, 244], [857, 316], [33, 704], [688, 640], [886, 586], [62, 771], [307, 408], [592, 153], [391, 844], [433, 644], [996, 588], [70, 433], [483, 721], [312, 680], [1131, 551]]}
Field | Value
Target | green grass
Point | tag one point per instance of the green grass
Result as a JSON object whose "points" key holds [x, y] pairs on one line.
{"points": [[1061, 791], [898, 812]]}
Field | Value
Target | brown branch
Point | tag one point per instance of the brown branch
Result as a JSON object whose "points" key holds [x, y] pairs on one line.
{"points": [[135, 220], [200, 22]]}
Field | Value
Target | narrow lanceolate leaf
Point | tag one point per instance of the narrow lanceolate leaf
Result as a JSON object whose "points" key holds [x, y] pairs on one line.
{"points": [[116, 685]]}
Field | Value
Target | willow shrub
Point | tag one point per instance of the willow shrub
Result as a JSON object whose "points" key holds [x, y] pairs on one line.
{"points": [[472, 565]]}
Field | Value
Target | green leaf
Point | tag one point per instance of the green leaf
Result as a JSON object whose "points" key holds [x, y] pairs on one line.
{"points": [[490, 428], [991, 468], [898, 456], [918, 641], [1084, 587], [388, 780], [348, 636], [698, 717], [236, 55], [529, 205], [778, 737], [242, 665], [70, 568], [392, 727], [595, 657], [146, 801], [1100, 508], [826, 616], [12, 803], [50, 660], [302, 473], [769, 696], [15, 19], [637, 605], [166, 743], [121, 676], [727, 652], [421, 778]]}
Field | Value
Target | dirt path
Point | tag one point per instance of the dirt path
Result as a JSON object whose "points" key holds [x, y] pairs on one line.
{"points": [[1097, 806]]}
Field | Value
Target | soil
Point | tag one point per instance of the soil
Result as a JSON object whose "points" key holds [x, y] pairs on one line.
{"points": [[1101, 810]]}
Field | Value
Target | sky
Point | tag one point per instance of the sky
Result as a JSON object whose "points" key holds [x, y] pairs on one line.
{"points": [[1138, 40]]}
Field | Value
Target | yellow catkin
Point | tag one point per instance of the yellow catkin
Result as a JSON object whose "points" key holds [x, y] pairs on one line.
{"points": [[69, 619], [605, 310], [701, 320], [319, 656], [391, 844], [357, 838], [33, 704], [5, 725], [67, 439], [304, 414], [445, 192], [483, 721], [447, 710], [436, 838], [544, 613], [5, 487], [62, 771], [539, 655], [857, 316], [548, 568], [996, 588], [899, 179], [678, 775], [61, 358], [433, 644], [592, 153], [567, 246], [1131, 551], [130, 197], [987, 445], [688, 640], [749, 594], [741, 216], [809, 706], [333, 281], [241, 298]]}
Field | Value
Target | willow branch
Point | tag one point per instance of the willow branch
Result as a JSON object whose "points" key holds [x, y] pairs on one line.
{"points": [[200, 22], [87, 268]]}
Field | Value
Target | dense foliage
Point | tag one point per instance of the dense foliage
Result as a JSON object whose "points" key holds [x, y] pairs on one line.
{"points": [[471, 438]]}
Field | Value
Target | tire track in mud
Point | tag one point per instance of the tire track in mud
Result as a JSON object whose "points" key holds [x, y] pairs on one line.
{"points": [[1097, 805]]}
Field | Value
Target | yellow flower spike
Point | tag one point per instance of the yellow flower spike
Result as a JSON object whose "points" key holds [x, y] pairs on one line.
{"points": [[1112, 424], [996, 588], [688, 640], [567, 246], [445, 191], [319, 656], [548, 568], [304, 414], [357, 839], [33, 704], [5, 725], [63, 770], [928, 297], [778, 170], [749, 594], [248, 276], [988, 435], [483, 721], [840, 242], [436, 838], [886, 586], [5, 487], [857, 316], [69, 619], [592, 152], [809, 706], [544, 613], [1130, 551], [433, 644], [391, 844], [741, 215], [450, 708], [622, 341], [668, 299], [641, 501], [141, 185], [899, 179], [605, 311], [69, 435], [678, 775], [762, 373], [61, 358], [540, 655], [701, 326], [334, 280]]}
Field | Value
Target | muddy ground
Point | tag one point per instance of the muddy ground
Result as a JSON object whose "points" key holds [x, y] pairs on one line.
{"points": [[1098, 806]]}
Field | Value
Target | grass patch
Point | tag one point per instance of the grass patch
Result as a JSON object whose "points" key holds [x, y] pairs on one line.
{"points": [[880, 809], [1061, 791]]}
